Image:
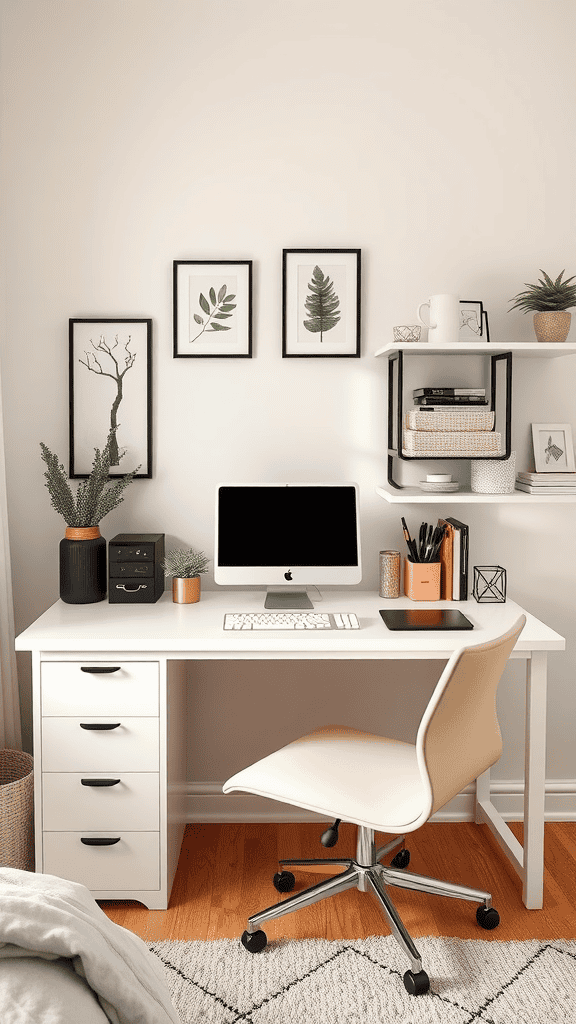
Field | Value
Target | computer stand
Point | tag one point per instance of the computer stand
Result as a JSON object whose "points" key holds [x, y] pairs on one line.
{"points": [[286, 599]]}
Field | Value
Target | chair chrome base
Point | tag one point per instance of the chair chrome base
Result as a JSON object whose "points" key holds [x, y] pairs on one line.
{"points": [[367, 874]]}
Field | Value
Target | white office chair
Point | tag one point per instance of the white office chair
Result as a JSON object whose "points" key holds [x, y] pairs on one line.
{"points": [[386, 785]]}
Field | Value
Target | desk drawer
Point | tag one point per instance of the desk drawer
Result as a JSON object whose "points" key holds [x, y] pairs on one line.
{"points": [[100, 687], [131, 863], [133, 745], [131, 803]]}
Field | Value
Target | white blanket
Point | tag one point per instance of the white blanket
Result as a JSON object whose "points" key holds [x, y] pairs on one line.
{"points": [[48, 918]]}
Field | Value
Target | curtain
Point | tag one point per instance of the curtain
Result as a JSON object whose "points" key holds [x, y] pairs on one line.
{"points": [[10, 734]]}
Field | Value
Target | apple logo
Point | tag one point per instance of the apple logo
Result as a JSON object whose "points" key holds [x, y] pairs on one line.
{"points": [[288, 575]]}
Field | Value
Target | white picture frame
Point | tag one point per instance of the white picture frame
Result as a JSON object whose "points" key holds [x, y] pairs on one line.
{"points": [[553, 447]]}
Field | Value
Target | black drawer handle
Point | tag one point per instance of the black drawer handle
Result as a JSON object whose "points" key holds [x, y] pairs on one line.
{"points": [[99, 782], [99, 670], [98, 841], [100, 725]]}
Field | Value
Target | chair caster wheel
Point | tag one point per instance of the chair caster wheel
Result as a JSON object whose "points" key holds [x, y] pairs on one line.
{"points": [[284, 881], [401, 860], [254, 942], [488, 918], [416, 984]]}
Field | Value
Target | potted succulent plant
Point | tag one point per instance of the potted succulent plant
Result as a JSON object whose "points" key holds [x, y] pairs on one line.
{"points": [[185, 566], [550, 301], [83, 549]]}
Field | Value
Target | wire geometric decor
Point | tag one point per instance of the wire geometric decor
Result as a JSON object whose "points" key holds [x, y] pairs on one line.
{"points": [[489, 584]]}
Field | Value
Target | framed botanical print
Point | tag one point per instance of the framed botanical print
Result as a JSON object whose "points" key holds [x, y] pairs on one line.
{"points": [[212, 308], [553, 447], [110, 385], [320, 302]]}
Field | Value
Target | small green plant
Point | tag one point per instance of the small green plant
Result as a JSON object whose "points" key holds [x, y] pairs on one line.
{"points": [[185, 563], [93, 500], [546, 296]]}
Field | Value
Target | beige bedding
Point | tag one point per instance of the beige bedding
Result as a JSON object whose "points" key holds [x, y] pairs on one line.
{"points": [[55, 939]]}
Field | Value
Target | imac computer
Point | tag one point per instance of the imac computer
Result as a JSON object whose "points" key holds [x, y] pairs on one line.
{"points": [[286, 537]]}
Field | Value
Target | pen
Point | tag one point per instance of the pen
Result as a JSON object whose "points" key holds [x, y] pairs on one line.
{"points": [[410, 543]]}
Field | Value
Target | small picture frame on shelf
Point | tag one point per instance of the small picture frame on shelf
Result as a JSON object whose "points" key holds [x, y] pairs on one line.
{"points": [[473, 321], [320, 303], [553, 448], [212, 302]]}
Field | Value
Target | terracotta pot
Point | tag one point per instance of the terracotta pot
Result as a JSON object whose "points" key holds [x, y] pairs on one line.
{"points": [[552, 326], [186, 591], [82, 565]]}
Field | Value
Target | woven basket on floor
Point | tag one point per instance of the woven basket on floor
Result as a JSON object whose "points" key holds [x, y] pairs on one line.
{"points": [[16, 810]]}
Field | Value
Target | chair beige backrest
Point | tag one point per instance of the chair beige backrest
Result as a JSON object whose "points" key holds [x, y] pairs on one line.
{"points": [[459, 735]]}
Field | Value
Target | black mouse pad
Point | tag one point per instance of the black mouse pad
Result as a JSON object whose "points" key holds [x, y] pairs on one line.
{"points": [[425, 618]]}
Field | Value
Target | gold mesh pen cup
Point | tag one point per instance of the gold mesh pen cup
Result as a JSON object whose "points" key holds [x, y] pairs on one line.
{"points": [[389, 574]]}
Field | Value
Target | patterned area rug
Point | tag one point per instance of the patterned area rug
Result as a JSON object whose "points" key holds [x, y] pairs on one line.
{"points": [[316, 981]]}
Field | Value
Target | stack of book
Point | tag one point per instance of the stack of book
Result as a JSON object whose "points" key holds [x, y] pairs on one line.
{"points": [[450, 421], [453, 558], [546, 483]]}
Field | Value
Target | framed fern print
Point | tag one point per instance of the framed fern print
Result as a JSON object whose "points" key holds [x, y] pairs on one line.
{"points": [[212, 308], [320, 303]]}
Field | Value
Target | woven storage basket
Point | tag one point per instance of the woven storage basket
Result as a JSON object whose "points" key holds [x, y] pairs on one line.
{"points": [[458, 443], [16, 810], [450, 419]]}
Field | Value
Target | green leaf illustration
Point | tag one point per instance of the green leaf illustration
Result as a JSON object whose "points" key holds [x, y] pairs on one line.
{"points": [[220, 307], [322, 304]]}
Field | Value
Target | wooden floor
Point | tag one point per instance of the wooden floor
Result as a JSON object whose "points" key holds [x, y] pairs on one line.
{"points": [[225, 872]]}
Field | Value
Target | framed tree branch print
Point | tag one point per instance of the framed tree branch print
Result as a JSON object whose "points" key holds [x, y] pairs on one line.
{"points": [[320, 302], [110, 382], [212, 308]]}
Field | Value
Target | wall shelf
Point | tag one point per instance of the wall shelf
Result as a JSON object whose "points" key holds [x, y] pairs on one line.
{"points": [[535, 350], [394, 351], [415, 496]]}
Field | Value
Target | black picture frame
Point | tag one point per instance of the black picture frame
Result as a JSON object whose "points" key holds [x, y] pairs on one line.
{"points": [[473, 321], [306, 328], [201, 312], [111, 348]]}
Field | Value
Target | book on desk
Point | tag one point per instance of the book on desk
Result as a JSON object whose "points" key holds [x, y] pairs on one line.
{"points": [[454, 559]]}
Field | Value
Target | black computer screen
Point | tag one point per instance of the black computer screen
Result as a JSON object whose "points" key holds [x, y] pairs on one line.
{"points": [[287, 525]]}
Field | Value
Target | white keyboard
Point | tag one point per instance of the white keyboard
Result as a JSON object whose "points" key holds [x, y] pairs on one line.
{"points": [[291, 620]]}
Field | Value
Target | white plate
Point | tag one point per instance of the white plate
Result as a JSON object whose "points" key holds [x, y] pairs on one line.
{"points": [[439, 488]]}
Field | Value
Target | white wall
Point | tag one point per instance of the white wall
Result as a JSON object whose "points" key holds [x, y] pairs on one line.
{"points": [[436, 136]]}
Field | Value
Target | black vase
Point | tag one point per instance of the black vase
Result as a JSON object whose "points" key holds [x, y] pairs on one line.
{"points": [[82, 566]]}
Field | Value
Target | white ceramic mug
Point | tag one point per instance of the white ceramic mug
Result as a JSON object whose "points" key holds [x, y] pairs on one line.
{"points": [[444, 326]]}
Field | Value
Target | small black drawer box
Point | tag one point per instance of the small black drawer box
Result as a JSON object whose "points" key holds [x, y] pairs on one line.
{"points": [[135, 568]]}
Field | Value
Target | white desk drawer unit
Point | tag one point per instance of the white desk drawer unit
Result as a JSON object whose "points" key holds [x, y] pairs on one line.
{"points": [[101, 770], [99, 744], [117, 860], [100, 688], [93, 800]]}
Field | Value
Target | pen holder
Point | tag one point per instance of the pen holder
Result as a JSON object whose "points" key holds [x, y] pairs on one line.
{"points": [[422, 580]]}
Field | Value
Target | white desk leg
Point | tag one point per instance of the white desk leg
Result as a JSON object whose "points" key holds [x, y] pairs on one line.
{"points": [[535, 780], [482, 793]]}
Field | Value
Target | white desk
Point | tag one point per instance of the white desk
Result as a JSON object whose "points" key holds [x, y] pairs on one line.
{"points": [[148, 646]]}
